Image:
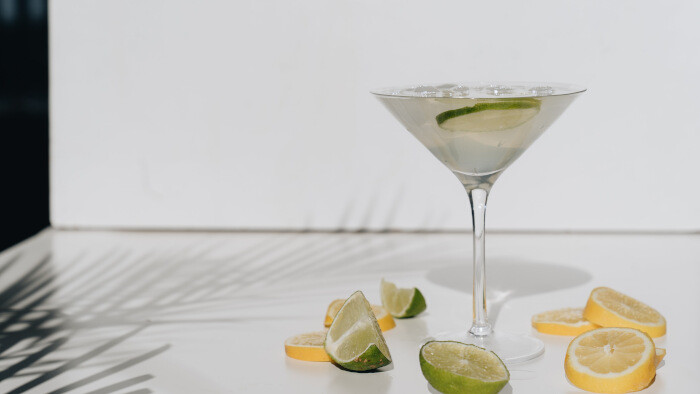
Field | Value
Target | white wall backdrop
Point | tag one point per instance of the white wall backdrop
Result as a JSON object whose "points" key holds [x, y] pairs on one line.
{"points": [[256, 114]]}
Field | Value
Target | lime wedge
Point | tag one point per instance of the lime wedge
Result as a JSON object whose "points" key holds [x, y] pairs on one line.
{"points": [[401, 303], [354, 340], [489, 116], [386, 322], [454, 367]]}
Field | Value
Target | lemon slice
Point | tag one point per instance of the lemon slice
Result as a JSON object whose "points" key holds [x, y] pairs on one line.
{"points": [[489, 116], [401, 303], [566, 321], [386, 322], [611, 360], [455, 367], [333, 309], [307, 347], [660, 354], [609, 308], [354, 340]]}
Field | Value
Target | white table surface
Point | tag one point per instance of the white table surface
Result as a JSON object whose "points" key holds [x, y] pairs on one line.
{"points": [[140, 312]]}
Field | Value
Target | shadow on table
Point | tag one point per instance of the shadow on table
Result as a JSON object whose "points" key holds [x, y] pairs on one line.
{"points": [[348, 382], [33, 334], [506, 279], [508, 389], [53, 322]]}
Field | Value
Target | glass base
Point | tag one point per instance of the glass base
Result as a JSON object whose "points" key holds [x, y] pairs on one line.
{"points": [[511, 348]]}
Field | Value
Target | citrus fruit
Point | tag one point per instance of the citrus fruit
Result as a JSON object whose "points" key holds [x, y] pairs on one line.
{"points": [[609, 308], [386, 322], [489, 116], [401, 303], [455, 367], [307, 347], [660, 354], [566, 321], [611, 360], [333, 309], [354, 340]]}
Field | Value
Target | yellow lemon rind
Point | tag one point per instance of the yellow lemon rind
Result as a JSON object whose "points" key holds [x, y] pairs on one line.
{"points": [[637, 379], [305, 352], [552, 328], [386, 323], [602, 316], [660, 354]]}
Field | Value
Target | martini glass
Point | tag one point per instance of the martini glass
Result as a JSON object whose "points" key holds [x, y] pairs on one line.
{"points": [[477, 130]]}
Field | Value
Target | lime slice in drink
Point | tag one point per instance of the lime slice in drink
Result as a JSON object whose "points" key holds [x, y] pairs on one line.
{"points": [[489, 116], [354, 340], [454, 367], [401, 303]]}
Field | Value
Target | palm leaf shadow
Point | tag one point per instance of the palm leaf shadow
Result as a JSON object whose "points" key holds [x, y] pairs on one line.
{"points": [[31, 327], [43, 314]]}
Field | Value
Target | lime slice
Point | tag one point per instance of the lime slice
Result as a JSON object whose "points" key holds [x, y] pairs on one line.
{"points": [[454, 367], [401, 303], [489, 116], [354, 340]]}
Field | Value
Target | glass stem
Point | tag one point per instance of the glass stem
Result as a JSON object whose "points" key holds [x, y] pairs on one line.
{"points": [[480, 324]]}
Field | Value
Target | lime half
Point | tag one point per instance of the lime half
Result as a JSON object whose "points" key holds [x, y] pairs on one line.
{"points": [[401, 303], [454, 367], [354, 340], [489, 116]]}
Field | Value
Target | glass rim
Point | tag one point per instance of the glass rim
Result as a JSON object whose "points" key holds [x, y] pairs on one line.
{"points": [[567, 89]]}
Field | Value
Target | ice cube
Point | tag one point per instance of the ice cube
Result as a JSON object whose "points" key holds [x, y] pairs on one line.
{"points": [[445, 89], [425, 91], [498, 90], [460, 91], [541, 91]]}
